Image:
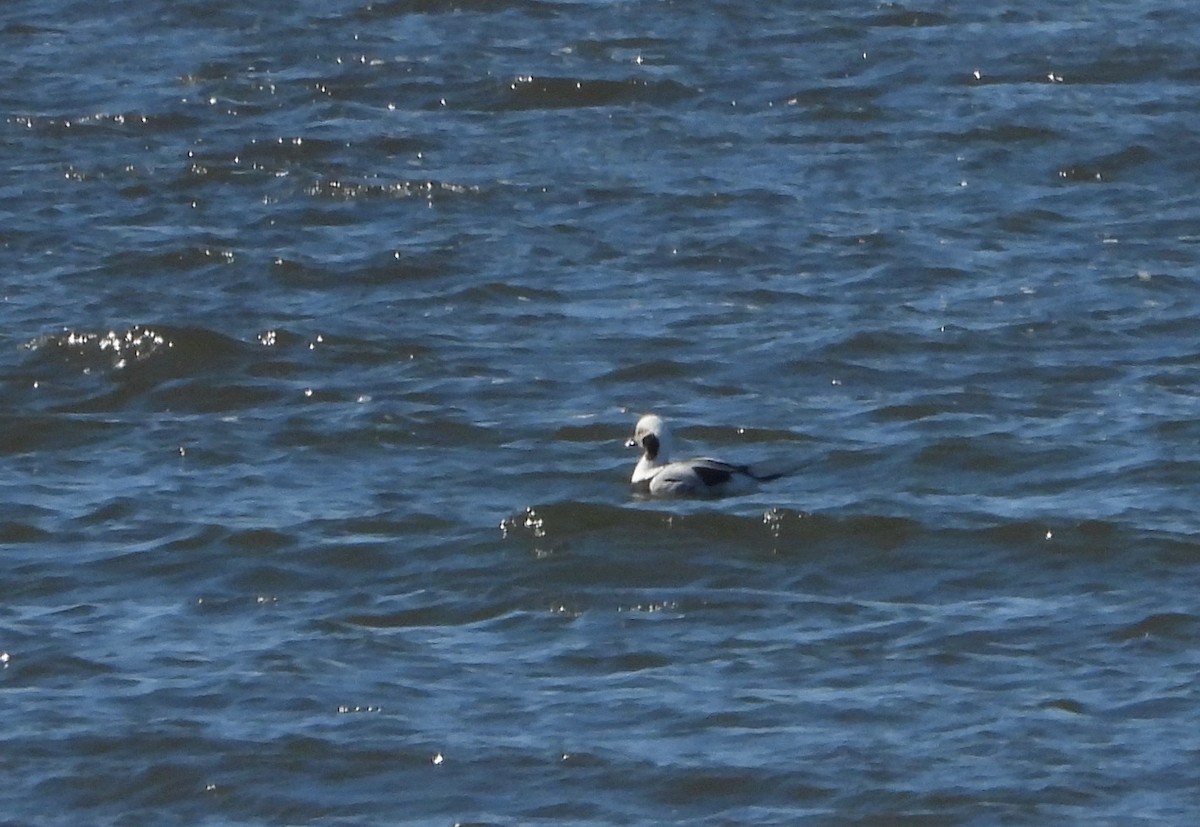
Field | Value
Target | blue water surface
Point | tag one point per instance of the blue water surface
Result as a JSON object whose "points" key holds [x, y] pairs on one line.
{"points": [[322, 328]]}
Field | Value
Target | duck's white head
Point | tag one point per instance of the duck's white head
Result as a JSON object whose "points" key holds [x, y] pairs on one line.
{"points": [[653, 438]]}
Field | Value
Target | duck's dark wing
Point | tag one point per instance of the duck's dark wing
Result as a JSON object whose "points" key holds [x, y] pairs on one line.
{"points": [[713, 472]]}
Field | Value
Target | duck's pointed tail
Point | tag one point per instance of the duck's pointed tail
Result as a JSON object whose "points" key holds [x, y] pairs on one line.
{"points": [[767, 472]]}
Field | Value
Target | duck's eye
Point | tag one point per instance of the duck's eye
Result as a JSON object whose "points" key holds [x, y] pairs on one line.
{"points": [[650, 443]]}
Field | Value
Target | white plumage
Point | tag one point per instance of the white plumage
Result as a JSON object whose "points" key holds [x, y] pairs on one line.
{"points": [[656, 475]]}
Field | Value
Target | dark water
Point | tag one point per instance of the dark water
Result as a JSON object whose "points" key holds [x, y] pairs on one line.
{"points": [[321, 325]]}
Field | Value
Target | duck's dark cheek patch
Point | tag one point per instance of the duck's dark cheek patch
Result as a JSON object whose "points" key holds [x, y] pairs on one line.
{"points": [[650, 443]]}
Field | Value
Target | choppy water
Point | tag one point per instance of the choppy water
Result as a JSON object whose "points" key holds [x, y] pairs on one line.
{"points": [[321, 328]]}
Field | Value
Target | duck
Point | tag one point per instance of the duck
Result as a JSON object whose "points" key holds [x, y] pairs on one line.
{"points": [[655, 474]]}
